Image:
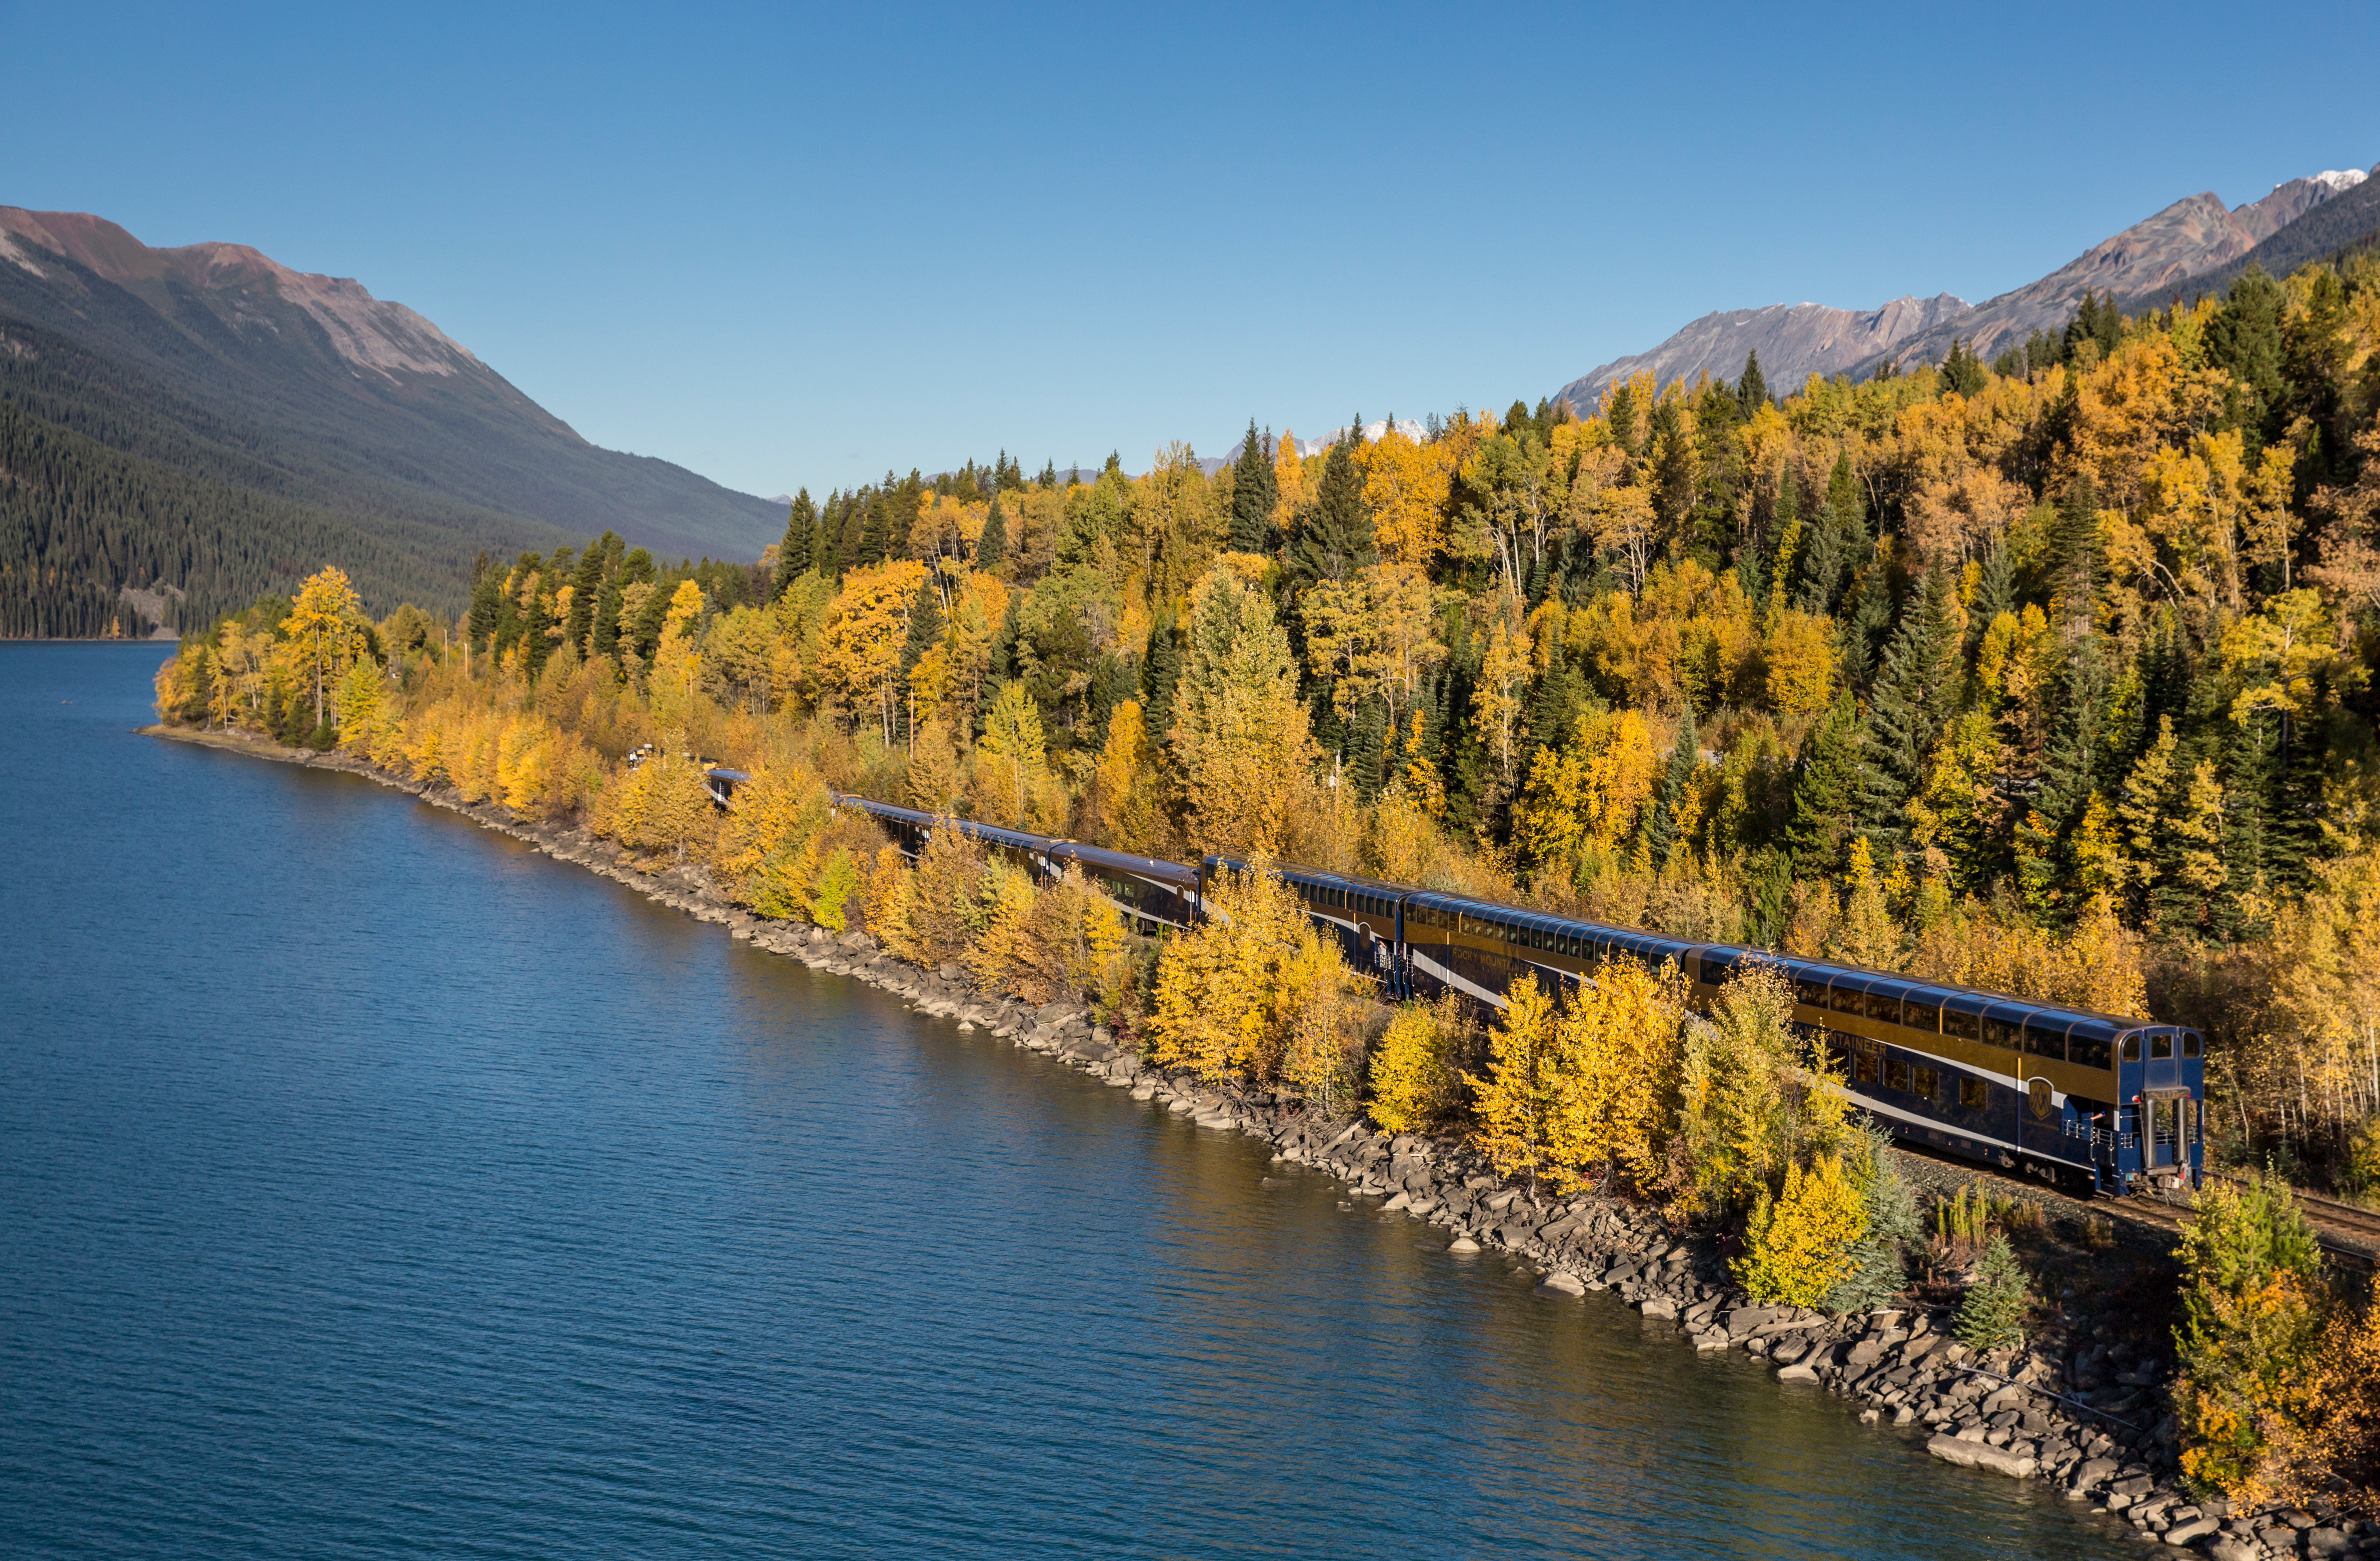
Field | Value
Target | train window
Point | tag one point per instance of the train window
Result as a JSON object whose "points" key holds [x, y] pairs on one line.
{"points": [[1999, 1033], [1972, 1095], [1895, 1073], [1864, 1067], [1812, 993], [1921, 1015], [1883, 1007], [2161, 1045], [2089, 1051], [2044, 1040], [1845, 1000], [1929, 1082], [1966, 1027], [2190, 1043], [2131, 1048]]}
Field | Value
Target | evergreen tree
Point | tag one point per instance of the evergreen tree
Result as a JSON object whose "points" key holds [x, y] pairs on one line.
{"points": [[925, 633], [487, 591], [1992, 1315], [2073, 555], [1751, 390], [587, 590], [1334, 536], [1867, 613], [1995, 589], [1004, 644], [876, 538], [1366, 743], [1661, 820], [1255, 491], [1822, 792], [991, 547], [1963, 371], [2246, 341], [851, 531], [1916, 693], [1161, 672], [1838, 540], [801, 535]]}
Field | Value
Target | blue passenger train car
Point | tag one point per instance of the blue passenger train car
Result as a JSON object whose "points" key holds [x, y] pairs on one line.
{"points": [[2092, 1100]]}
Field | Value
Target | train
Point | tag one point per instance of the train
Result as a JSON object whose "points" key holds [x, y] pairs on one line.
{"points": [[2092, 1102]]}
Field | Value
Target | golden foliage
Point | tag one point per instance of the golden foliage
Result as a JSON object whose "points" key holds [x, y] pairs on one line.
{"points": [[1417, 1075], [1797, 1245]]}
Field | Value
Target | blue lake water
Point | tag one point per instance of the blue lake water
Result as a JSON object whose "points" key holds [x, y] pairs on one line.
{"points": [[371, 1185]]}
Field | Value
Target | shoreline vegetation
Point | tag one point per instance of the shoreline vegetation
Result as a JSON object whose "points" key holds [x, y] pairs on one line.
{"points": [[2053, 675], [2002, 1381]]}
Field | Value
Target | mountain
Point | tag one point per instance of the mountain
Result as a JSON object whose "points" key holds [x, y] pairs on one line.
{"points": [[208, 419], [2348, 215], [2188, 242], [1794, 341], [2186, 239]]}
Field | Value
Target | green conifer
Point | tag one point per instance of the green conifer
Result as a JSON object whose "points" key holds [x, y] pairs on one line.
{"points": [[1255, 491], [1334, 536], [1751, 390], [1160, 673], [991, 547], [1662, 819], [1916, 695], [793, 553], [1992, 1315]]}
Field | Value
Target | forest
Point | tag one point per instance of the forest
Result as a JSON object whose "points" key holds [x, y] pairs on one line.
{"points": [[2052, 675]]}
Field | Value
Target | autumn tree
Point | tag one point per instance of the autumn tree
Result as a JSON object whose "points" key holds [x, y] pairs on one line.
{"points": [[324, 633]]}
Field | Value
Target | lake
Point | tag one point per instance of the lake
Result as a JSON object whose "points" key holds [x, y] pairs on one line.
{"points": [[371, 1185]]}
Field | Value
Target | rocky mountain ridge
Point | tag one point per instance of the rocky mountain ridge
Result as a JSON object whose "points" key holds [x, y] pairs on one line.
{"points": [[2192, 237]]}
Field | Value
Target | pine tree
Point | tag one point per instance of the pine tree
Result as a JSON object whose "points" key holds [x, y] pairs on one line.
{"points": [[925, 633], [1662, 819], [1004, 646], [1822, 793], [1995, 589], [1962, 371], [801, 535], [487, 595], [876, 537], [1915, 694], [1992, 1315], [1160, 671], [991, 547], [2074, 554], [1334, 535], [1255, 491], [587, 590], [1751, 390]]}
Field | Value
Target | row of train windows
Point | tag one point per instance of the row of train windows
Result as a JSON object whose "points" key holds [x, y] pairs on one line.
{"points": [[1346, 899], [1911, 1014], [1928, 1083]]}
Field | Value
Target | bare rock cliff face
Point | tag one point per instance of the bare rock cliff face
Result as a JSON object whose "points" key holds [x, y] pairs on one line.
{"points": [[1794, 341]]}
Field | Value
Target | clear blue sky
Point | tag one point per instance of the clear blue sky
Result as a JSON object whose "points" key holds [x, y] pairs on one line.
{"points": [[787, 247]]}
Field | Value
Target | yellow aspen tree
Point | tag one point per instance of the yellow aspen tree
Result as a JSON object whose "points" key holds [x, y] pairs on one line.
{"points": [[1514, 1104], [325, 633], [1010, 759], [1614, 1074], [1121, 806], [1406, 487], [1216, 1006], [1496, 699], [1289, 482]]}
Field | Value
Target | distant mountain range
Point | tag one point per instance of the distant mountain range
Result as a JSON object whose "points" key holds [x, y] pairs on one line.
{"points": [[187, 397], [2195, 245]]}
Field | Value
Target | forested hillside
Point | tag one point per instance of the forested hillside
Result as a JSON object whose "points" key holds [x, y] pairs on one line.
{"points": [[211, 421], [2053, 674]]}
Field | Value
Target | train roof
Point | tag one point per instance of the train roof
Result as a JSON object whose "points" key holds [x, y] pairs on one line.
{"points": [[1319, 875], [1966, 998], [1122, 861]]}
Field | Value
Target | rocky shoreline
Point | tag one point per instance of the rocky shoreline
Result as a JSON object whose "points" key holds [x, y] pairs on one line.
{"points": [[2087, 1415]]}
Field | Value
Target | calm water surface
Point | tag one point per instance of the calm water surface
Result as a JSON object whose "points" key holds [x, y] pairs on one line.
{"points": [[371, 1186]]}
